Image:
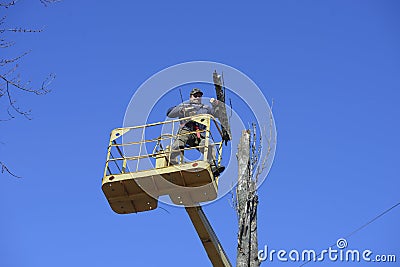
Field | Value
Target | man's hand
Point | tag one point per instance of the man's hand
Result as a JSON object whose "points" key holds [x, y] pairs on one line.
{"points": [[226, 137], [213, 101]]}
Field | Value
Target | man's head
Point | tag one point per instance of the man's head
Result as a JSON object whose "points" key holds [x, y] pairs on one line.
{"points": [[195, 95]]}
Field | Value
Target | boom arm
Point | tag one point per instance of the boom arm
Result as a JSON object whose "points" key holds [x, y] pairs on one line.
{"points": [[208, 237]]}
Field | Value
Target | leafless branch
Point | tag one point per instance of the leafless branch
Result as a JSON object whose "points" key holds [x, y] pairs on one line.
{"points": [[233, 200], [7, 4], [10, 71], [4, 62], [5, 44], [4, 169], [20, 30], [254, 151], [10, 116], [16, 108], [47, 2], [17, 83], [270, 144], [10, 81]]}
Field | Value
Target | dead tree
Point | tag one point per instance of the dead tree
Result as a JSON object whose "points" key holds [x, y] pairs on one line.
{"points": [[11, 83], [246, 206], [250, 167]]}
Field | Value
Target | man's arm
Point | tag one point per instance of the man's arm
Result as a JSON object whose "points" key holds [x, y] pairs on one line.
{"points": [[176, 111], [214, 106]]}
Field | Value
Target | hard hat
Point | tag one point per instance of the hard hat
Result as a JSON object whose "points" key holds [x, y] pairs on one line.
{"points": [[196, 91]]}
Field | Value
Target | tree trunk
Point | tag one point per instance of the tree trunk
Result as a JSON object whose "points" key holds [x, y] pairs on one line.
{"points": [[246, 205]]}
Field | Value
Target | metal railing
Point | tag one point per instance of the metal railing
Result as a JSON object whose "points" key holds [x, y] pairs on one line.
{"points": [[134, 149]]}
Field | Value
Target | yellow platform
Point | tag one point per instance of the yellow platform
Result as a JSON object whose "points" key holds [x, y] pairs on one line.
{"points": [[187, 184]]}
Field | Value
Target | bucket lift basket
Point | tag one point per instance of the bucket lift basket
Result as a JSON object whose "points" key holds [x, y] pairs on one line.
{"points": [[138, 168]]}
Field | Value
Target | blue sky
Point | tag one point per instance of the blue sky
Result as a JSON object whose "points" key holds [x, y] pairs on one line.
{"points": [[332, 68]]}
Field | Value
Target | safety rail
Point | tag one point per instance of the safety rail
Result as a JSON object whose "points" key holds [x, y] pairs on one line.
{"points": [[135, 149]]}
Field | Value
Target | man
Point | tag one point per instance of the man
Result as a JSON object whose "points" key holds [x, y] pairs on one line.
{"points": [[185, 138]]}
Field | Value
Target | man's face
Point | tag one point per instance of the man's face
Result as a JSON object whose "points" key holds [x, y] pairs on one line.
{"points": [[196, 98]]}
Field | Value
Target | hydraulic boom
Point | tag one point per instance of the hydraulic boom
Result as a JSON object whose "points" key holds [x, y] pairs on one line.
{"points": [[208, 238]]}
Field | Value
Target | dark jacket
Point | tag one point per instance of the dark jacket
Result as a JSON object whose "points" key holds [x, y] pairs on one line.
{"points": [[190, 109]]}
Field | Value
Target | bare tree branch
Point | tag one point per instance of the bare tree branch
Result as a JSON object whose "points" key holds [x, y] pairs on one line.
{"points": [[4, 62], [5, 44], [16, 108], [271, 141], [10, 116], [5, 169], [16, 82], [7, 4], [19, 30], [47, 2], [10, 81], [232, 200]]}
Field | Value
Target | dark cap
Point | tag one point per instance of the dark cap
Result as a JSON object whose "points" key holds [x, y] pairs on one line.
{"points": [[196, 91]]}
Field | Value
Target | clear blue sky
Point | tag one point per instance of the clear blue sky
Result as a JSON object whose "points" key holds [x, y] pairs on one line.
{"points": [[332, 68]]}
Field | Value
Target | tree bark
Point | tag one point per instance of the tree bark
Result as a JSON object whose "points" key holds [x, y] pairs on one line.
{"points": [[246, 205]]}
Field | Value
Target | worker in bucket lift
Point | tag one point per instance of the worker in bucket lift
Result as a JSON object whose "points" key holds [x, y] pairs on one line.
{"points": [[191, 133]]}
